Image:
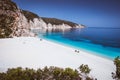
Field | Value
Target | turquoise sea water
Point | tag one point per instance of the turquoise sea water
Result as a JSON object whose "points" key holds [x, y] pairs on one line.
{"points": [[98, 41]]}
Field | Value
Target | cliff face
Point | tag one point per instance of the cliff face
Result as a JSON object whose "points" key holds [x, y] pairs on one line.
{"points": [[15, 22], [12, 21], [37, 22], [7, 17]]}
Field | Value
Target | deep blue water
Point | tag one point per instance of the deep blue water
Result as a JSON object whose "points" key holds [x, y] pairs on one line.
{"points": [[103, 42]]}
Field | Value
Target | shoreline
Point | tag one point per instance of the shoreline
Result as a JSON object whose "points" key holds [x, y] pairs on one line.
{"points": [[81, 49], [34, 53]]}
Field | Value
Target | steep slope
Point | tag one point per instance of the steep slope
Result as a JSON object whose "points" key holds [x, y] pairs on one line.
{"points": [[15, 22], [61, 24], [29, 15], [35, 22], [7, 17], [55, 21], [48, 23], [12, 21]]}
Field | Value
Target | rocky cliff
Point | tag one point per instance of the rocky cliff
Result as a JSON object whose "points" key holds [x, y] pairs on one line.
{"points": [[12, 21], [15, 22]]}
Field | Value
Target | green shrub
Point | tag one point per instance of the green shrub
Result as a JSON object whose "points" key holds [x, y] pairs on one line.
{"points": [[117, 64], [84, 69], [6, 24], [47, 73]]}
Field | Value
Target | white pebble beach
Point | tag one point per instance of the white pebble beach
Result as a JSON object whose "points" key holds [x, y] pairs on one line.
{"points": [[34, 53]]}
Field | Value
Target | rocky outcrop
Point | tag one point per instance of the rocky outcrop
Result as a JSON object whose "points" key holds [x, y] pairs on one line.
{"points": [[49, 23], [7, 17], [15, 22], [57, 23], [12, 21]]}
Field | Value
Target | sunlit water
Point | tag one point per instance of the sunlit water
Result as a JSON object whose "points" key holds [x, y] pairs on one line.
{"points": [[103, 42]]}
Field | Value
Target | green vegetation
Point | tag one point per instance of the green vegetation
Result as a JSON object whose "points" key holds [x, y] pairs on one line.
{"points": [[29, 15], [116, 75], [51, 73], [8, 5], [58, 21], [6, 23], [84, 69]]}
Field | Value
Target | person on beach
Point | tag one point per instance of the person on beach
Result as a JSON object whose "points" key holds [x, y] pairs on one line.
{"points": [[77, 51], [40, 39]]}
